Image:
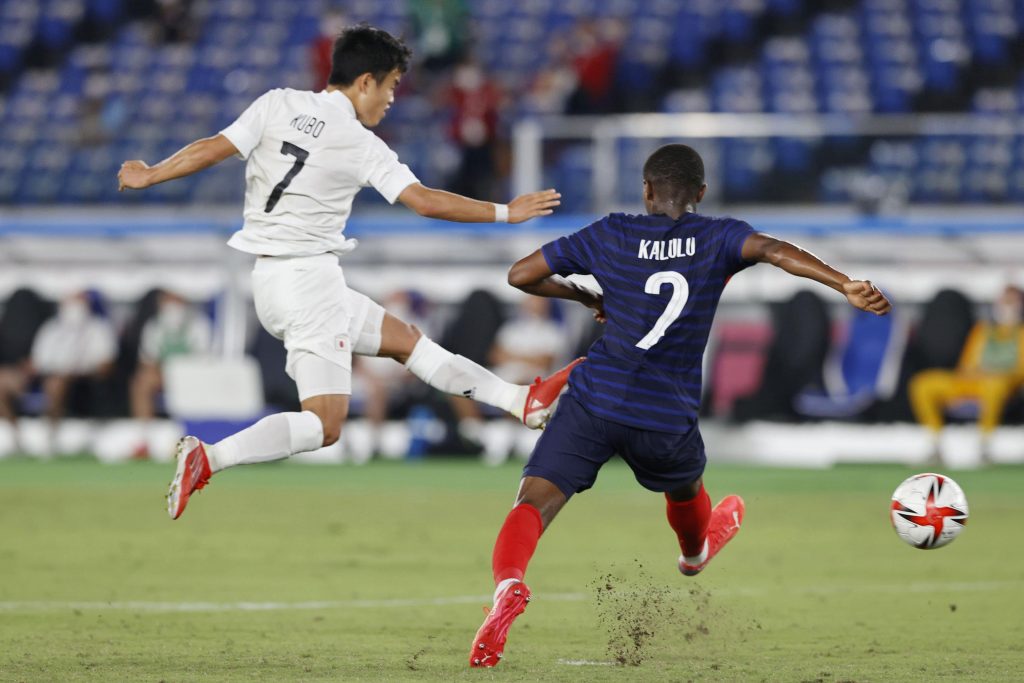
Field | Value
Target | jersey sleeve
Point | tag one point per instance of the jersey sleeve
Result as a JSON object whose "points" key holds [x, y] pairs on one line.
{"points": [[575, 253], [731, 251], [382, 169], [247, 130]]}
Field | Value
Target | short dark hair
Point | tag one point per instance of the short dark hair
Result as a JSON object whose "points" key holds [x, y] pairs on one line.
{"points": [[364, 49], [675, 170]]}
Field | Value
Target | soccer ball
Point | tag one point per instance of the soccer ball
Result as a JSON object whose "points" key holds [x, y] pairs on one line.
{"points": [[928, 510]]}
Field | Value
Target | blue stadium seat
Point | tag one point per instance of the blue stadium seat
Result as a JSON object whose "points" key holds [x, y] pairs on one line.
{"points": [[893, 156], [686, 100], [873, 55], [864, 370], [105, 12], [572, 177], [55, 32], [793, 155], [785, 8], [739, 21], [737, 89], [695, 26], [895, 87], [788, 79], [745, 162]]}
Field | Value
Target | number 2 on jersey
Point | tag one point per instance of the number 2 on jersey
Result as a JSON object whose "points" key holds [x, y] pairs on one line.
{"points": [[680, 293], [300, 160]]}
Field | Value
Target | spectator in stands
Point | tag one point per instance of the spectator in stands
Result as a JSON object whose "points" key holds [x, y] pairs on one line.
{"points": [[990, 370], [176, 329], [102, 113], [596, 45], [174, 21], [554, 84], [529, 344], [24, 313], [526, 346], [476, 101], [73, 350], [440, 28], [331, 26]]}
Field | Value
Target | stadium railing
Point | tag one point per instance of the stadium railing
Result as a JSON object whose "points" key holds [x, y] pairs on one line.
{"points": [[833, 155]]}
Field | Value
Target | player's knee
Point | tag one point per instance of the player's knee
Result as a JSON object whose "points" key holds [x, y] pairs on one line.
{"points": [[331, 430], [331, 435], [686, 492]]}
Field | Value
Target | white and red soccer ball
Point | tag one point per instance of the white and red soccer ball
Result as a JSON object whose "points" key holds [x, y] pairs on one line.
{"points": [[928, 510]]}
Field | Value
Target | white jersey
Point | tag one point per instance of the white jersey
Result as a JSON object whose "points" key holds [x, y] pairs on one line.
{"points": [[307, 158]]}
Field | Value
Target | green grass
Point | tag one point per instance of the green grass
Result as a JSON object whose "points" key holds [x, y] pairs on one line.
{"points": [[817, 587]]}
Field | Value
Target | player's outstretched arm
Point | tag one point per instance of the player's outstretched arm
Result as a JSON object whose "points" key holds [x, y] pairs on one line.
{"points": [[533, 275], [138, 175], [763, 248], [449, 206]]}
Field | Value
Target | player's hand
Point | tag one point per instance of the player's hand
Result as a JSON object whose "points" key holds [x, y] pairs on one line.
{"points": [[866, 297], [134, 175], [527, 206]]}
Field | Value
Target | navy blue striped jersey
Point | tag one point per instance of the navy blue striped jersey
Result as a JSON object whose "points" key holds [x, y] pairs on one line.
{"points": [[662, 279]]}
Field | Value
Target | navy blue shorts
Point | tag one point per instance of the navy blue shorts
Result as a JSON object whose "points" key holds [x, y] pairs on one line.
{"points": [[576, 444]]}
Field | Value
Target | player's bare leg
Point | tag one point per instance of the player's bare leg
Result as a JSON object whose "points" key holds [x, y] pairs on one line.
{"points": [[457, 375], [701, 530], [536, 505]]}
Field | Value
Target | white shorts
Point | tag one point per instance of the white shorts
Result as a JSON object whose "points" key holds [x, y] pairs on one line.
{"points": [[304, 301]]}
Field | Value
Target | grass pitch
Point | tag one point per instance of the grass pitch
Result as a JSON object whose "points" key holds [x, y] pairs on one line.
{"points": [[289, 572]]}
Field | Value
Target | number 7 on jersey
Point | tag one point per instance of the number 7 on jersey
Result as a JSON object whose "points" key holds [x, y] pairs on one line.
{"points": [[680, 293], [300, 160]]}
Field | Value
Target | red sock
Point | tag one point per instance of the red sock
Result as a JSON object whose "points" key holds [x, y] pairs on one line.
{"points": [[516, 542], [689, 519]]}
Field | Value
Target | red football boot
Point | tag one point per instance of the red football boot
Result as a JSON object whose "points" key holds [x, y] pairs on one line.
{"points": [[725, 523], [543, 395], [192, 474], [489, 644]]}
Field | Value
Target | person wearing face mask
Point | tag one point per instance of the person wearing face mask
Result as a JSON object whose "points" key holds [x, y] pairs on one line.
{"points": [[530, 343], [440, 29], [331, 26], [526, 346], [476, 101], [990, 370], [73, 347], [176, 329]]}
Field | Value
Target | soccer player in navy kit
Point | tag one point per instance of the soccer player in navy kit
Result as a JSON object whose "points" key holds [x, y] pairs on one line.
{"points": [[638, 393]]}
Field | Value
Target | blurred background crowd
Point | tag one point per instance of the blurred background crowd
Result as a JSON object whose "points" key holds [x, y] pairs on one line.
{"points": [[959, 362]]}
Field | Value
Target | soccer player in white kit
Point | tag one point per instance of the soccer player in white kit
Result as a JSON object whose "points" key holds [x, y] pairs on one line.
{"points": [[307, 155]]}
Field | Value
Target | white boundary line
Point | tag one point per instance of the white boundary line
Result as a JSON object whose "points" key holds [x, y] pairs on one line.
{"points": [[585, 662], [144, 606]]}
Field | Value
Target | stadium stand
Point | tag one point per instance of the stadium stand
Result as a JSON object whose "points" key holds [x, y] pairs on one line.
{"points": [[87, 83]]}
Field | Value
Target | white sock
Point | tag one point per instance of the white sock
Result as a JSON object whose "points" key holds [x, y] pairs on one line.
{"points": [[272, 438], [699, 559], [501, 586], [460, 376]]}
